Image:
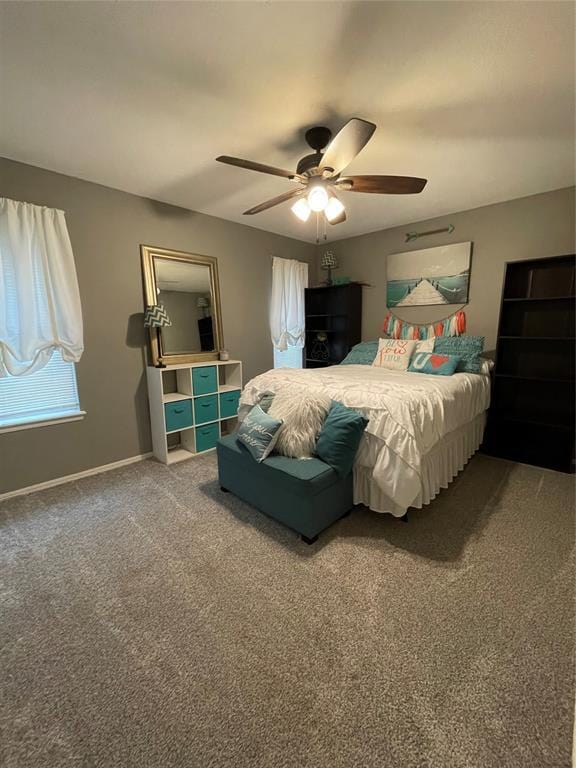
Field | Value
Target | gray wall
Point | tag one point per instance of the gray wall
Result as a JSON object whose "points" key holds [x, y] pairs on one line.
{"points": [[531, 227], [106, 228]]}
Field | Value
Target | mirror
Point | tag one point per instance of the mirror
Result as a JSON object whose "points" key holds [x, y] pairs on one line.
{"points": [[186, 285]]}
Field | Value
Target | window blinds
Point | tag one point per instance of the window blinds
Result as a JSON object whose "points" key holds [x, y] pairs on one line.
{"points": [[49, 393]]}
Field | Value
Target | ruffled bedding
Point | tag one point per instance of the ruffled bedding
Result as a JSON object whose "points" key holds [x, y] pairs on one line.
{"points": [[409, 414]]}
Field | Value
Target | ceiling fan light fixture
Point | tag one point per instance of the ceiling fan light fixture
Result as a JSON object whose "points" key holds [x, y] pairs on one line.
{"points": [[333, 209], [318, 198], [301, 209]]}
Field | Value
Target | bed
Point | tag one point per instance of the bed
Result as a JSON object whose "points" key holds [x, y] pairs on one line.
{"points": [[422, 428]]}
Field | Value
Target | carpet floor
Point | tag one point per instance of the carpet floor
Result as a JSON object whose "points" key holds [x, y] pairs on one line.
{"points": [[148, 619]]}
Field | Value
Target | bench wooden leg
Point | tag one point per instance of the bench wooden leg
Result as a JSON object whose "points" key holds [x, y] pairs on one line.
{"points": [[307, 540]]}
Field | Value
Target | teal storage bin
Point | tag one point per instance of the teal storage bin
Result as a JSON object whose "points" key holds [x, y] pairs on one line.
{"points": [[206, 437], [204, 380], [206, 408], [178, 415], [229, 404]]}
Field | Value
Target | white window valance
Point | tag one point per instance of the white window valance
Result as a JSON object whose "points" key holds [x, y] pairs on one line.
{"points": [[40, 309], [287, 317]]}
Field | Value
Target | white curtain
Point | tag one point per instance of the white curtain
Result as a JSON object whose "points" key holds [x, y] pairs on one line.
{"points": [[287, 320], [39, 298]]}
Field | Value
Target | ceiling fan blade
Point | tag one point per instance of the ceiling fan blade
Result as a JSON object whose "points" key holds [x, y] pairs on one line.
{"points": [[347, 143], [274, 201], [250, 166], [382, 185]]}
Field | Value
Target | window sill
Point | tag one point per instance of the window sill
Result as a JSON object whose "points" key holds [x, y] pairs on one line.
{"points": [[42, 422]]}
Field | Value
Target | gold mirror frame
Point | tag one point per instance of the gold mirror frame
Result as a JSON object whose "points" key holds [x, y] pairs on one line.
{"points": [[148, 254]]}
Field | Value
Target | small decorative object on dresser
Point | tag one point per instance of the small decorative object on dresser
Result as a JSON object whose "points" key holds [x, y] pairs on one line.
{"points": [[224, 355], [334, 320], [320, 347], [329, 263], [192, 406], [157, 317]]}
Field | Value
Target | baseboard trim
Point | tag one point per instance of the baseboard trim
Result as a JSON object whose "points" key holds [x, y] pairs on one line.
{"points": [[76, 476]]}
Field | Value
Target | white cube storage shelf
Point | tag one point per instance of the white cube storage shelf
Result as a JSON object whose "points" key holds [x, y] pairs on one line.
{"points": [[191, 406]]}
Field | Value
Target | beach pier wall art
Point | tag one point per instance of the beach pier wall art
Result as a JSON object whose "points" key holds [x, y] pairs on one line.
{"points": [[439, 275]]}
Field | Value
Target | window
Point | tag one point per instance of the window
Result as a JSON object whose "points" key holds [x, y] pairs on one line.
{"points": [[290, 358], [287, 320], [48, 394], [40, 317]]}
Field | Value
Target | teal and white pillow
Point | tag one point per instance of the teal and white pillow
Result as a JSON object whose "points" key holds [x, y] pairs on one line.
{"points": [[467, 348], [433, 363], [259, 433], [394, 354], [361, 354], [265, 401]]}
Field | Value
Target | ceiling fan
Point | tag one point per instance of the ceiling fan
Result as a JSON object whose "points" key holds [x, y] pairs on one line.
{"points": [[319, 178]]}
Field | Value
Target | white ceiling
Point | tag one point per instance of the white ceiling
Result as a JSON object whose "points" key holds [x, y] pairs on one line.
{"points": [[478, 97]]}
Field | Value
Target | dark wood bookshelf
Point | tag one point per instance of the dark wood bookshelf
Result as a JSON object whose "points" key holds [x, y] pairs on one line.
{"points": [[531, 417], [335, 310]]}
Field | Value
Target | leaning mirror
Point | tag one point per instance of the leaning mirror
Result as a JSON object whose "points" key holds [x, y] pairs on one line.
{"points": [[182, 311]]}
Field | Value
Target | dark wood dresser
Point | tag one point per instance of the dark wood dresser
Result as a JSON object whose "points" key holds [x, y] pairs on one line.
{"points": [[531, 418], [336, 312]]}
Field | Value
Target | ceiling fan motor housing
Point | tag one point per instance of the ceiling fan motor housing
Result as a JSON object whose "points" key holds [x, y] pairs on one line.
{"points": [[317, 137], [308, 163]]}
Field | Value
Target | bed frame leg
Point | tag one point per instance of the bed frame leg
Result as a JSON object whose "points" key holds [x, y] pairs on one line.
{"points": [[404, 517], [224, 490], [308, 540]]}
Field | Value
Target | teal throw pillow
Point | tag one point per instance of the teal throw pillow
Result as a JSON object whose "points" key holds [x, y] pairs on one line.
{"points": [[259, 432], [340, 437], [432, 362], [467, 348], [266, 401], [361, 354]]}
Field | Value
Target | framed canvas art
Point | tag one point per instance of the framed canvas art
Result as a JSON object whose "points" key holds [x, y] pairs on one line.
{"points": [[439, 275]]}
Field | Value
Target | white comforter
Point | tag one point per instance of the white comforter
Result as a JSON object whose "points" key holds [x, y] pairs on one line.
{"points": [[409, 413]]}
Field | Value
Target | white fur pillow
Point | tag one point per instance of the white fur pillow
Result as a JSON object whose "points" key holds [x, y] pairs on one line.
{"points": [[303, 415]]}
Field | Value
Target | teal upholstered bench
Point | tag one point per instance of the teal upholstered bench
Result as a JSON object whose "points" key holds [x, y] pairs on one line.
{"points": [[305, 494]]}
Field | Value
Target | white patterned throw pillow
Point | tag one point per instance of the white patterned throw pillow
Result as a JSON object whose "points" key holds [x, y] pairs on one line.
{"points": [[394, 354], [303, 415], [427, 345]]}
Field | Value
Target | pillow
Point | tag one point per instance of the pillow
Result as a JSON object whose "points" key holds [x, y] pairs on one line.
{"points": [[427, 345], [340, 437], [361, 354], [303, 415], [265, 401], [259, 433], [432, 362], [394, 354], [468, 349], [486, 366]]}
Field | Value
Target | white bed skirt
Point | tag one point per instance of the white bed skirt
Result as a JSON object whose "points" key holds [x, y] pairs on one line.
{"points": [[439, 467]]}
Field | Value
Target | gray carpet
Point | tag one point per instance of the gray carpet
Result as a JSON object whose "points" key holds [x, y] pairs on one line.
{"points": [[150, 620]]}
